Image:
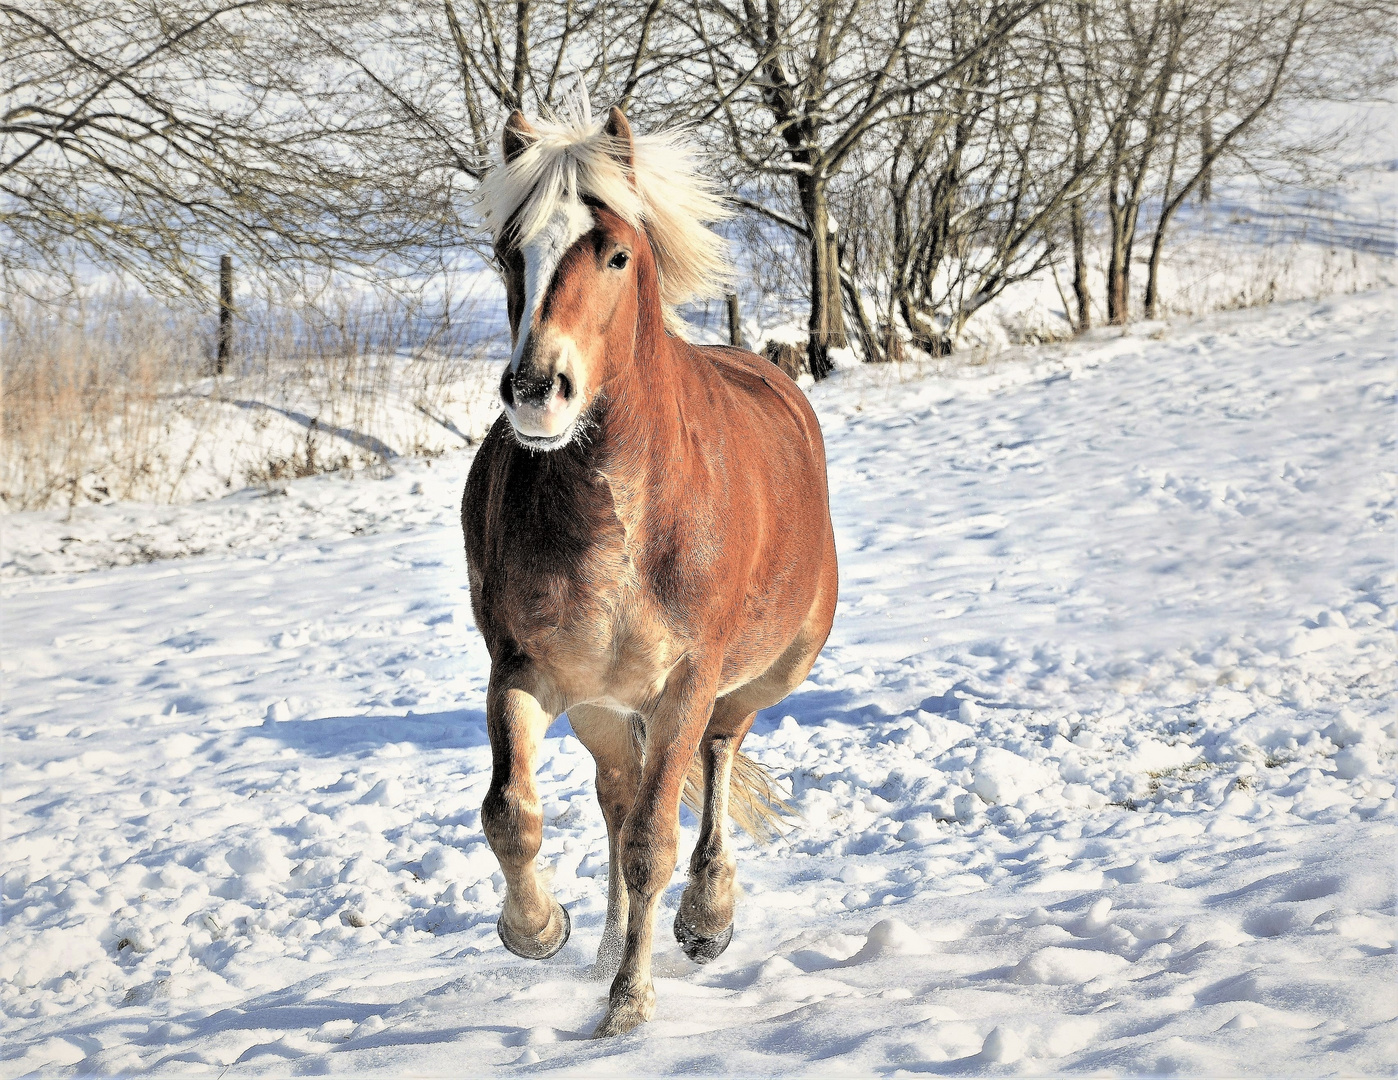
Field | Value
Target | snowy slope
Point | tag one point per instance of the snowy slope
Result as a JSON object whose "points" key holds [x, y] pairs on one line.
{"points": [[1096, 772]]}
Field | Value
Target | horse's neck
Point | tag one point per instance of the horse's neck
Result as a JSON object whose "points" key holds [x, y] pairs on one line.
{"points": [[641, 441]]}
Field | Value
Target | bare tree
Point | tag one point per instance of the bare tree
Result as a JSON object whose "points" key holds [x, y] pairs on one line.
{"points": [[1239, 63], [797, 87], [145, 135], [446, 72], [142, 134], [1140, 52], [979, 173], [921, 157], [1069, 31]]}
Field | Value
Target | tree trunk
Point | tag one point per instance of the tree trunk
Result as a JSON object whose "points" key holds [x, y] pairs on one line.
{"points": [[521, 70], [1158, 240], [1080, 289], [867, 334], [927, 335], [827, 321], [225, 314], [1119, 264], [1119, 289], [1153, 277], [1206, 154]]}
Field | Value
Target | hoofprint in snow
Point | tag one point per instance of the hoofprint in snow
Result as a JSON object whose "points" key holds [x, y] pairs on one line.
{"points": [[1096, 772]]}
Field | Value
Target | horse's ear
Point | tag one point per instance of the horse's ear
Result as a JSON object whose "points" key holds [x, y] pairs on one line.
{"points": [[518, 137], [618, 129]]}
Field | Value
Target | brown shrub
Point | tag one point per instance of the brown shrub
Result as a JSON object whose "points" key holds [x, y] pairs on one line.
{"points": [[790, 357]]}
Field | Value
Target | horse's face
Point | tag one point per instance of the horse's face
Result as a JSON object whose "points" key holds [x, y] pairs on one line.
{"points": [[573, 302], [572, 294]]}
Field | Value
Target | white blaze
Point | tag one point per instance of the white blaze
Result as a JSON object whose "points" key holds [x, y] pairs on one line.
{"points": [[542, 254]]}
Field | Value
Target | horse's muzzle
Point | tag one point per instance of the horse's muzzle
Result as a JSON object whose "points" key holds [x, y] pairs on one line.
{"points": [[542, 411]]}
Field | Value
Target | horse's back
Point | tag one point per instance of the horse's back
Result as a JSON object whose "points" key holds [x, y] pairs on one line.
{"points": [[768, 419], [764, 397]]}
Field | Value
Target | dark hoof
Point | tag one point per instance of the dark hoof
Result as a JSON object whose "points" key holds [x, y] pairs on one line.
{"points": [[547, 944], [701, 949]]}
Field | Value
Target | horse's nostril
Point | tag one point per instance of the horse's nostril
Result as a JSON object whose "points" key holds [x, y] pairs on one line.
{"points": [[527, 390], [507, 389], [565, 386]]}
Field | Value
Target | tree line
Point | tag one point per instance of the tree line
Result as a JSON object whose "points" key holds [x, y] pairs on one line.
{"points": [[920, 156]]}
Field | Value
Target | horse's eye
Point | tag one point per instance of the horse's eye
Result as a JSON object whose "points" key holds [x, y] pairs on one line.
{"points": [[619, 261]]}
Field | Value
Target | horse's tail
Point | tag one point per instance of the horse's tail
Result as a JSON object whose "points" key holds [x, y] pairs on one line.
{"points": [[753, 804]]}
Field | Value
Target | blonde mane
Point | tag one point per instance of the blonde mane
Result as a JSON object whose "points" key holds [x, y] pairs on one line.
{"points": [[571, 157]]}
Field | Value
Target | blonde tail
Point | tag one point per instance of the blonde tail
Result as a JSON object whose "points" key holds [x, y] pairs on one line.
{"points": [[752, 803]]}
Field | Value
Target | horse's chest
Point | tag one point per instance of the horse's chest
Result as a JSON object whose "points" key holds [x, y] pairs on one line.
{"points": [[590, 620]]}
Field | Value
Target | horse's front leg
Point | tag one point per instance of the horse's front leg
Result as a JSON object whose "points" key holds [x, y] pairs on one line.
{"points": [[607, 735], [532, 924], [649, 837]]}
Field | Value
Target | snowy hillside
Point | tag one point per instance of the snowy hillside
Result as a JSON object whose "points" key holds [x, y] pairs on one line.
{"points": [[1096, 772], [353, 405]]}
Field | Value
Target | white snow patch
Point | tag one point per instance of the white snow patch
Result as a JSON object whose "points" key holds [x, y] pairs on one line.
{"points": [[1070, 798]]}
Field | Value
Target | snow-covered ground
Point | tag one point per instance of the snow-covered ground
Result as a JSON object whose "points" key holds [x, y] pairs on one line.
{"points": [[1095, 774]]}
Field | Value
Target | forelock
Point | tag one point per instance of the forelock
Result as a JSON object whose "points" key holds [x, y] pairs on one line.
{"points": [[663, 192]]}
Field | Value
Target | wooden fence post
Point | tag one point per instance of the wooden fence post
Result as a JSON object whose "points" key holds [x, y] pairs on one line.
{"points": [[225, 313], [735, 329]]}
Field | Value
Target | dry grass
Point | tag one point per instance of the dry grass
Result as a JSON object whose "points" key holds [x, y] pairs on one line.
{"points": [[84, 390], [113, 397]]}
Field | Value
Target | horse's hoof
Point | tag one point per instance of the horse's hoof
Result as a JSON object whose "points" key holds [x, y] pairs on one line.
{"points": [[701, 949], [626, 1015], [553, 937]]}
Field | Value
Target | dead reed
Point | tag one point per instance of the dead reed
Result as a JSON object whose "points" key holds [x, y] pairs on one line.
{"points": [[112, 396], [83, 386]]}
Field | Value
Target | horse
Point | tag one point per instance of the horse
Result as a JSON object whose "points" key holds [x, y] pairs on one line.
{"points": [[647, 532]]}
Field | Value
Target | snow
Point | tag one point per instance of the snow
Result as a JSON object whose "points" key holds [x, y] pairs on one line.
{"points": [[1095, 774], [216, 435]]}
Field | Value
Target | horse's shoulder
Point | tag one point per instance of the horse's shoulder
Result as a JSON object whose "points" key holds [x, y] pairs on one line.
{"points": [[489, 456]]}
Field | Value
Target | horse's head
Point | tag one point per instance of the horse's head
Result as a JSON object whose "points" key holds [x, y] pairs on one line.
{"points": [[595, 248], [572, 291]]}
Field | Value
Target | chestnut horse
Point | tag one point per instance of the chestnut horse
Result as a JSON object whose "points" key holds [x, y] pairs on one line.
{"points": [[647, 535]]}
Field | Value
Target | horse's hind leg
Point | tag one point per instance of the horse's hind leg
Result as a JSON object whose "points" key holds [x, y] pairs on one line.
{"points": [[649, 837], [607, 735], [532, 924], [704, 922]]}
